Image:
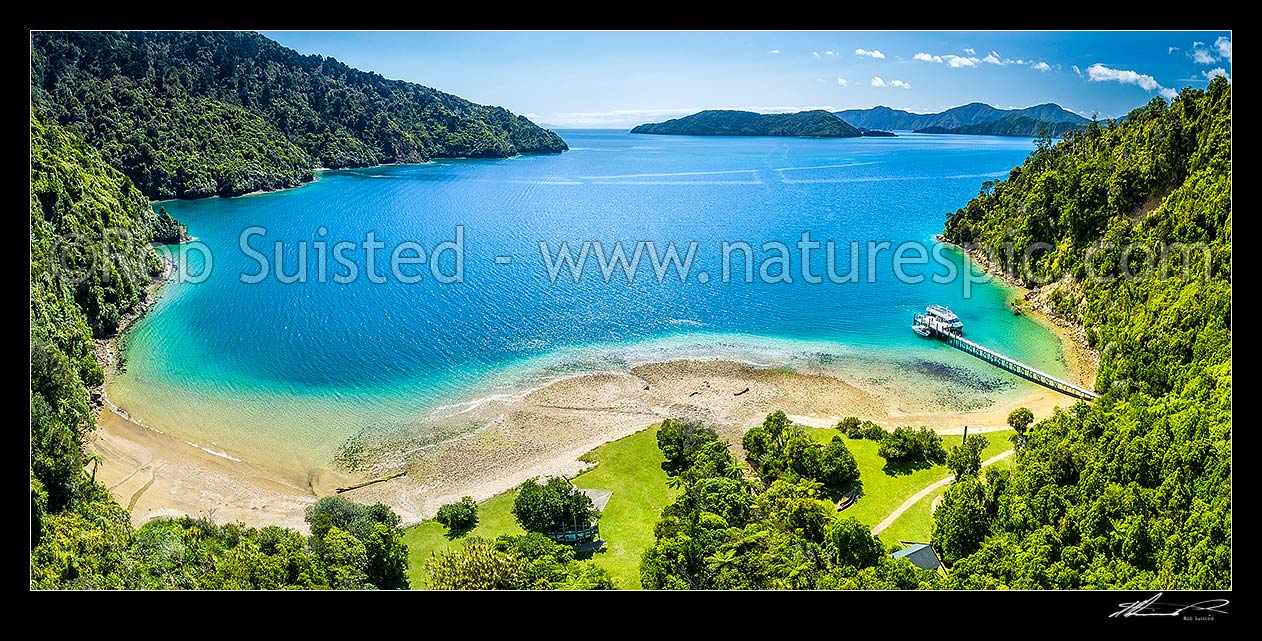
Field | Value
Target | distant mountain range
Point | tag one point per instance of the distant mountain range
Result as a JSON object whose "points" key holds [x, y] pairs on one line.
{"points": [[721, 122], [970, 115]]}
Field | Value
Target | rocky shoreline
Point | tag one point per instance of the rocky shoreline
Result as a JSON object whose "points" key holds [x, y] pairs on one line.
{"points": [[110, 350], [1084, 360]]}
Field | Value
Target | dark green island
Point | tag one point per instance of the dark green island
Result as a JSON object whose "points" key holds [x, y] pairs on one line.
{"points": [[720, 122], [1010, 125]]}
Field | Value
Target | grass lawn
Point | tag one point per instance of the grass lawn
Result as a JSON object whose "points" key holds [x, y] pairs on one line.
{"points": [[629, 467], [882, 492], [495, 517], [916, 524]]}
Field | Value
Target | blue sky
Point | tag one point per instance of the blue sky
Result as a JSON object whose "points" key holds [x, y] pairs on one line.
{"points": [[620, 79]]}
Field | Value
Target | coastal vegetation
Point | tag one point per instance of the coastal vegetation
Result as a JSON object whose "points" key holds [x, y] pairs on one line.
{"points": [[193, 114], [725, 531], [75, 523], [721, 122], [523, 562], [1132, 490], [91, 265], [351, 546], [778, 447]]}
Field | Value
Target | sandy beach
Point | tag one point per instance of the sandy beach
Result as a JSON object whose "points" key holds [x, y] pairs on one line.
{"points": [[542, 433]]}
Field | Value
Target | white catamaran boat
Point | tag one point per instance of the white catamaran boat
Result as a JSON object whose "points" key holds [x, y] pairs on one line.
{"points": [[945, 317], [937, 318]]}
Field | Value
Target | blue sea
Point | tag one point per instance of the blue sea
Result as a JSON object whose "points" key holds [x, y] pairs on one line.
{"points": [[288, 371]]}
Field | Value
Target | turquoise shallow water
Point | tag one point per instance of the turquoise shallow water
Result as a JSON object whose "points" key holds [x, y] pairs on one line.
{"points": [[290, 370]]}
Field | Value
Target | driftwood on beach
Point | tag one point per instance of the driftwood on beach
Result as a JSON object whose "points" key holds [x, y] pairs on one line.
{"points": [[382, 479]]}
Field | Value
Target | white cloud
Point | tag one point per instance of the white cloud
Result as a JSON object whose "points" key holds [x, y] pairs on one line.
{"points": [[877, 81], [950, 59], [1040, 66], [830, 53], [1077, 70], [1100, 73], [970, 51], [875, 53], [1203, 57], [1020, 61], [1170, 50], [1215, 72], [843, 82], [1223, 45], [815, 53], [1197, 43], [774, 52], [993, 58]]}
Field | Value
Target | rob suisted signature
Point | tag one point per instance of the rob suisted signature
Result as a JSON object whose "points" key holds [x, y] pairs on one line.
{"points": [[1152, 608]]}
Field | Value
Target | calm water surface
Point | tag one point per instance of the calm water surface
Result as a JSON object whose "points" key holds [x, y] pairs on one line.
{"points": [[289, 371]]}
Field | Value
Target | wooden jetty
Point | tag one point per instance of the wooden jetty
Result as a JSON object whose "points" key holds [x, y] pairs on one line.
{"points": [[932, 325]]}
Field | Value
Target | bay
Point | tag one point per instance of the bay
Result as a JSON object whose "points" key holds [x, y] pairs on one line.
{"points": [[287, 372]]}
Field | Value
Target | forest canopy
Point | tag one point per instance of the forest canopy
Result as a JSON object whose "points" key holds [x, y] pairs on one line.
{"points": [[195, 114]]}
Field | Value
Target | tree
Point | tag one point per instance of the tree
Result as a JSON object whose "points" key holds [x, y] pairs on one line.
{"points": [[960, 523], [770, 438], [549, 565], [965, 459], [95, 459], [526, 562], [345, 559], [373, 555], [837, 464], [778, 447], [679, 441], [907, 445], [554, 506], [477, 565], [851, 544], [1020, 419], [460, 516], [849, 426], [387, 564], [167, 229]]}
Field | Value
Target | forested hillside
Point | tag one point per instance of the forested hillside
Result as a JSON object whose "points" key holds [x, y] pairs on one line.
{"points": [[1132, 490], [1009, 125], [90, 263], [193, 114]]}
